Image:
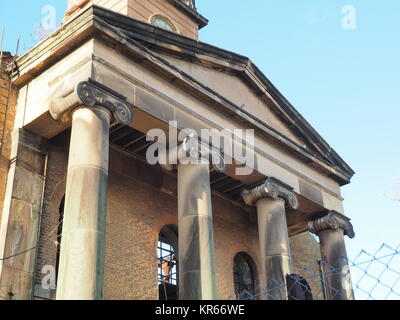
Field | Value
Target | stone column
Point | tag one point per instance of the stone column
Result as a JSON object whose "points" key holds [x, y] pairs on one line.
{"points": [[270, 199], [331, 230], [197, 272], [82, 247], [196, 240]]}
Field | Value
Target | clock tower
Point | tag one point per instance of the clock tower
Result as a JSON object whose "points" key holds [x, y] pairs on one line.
{"points": [[178, 16]]}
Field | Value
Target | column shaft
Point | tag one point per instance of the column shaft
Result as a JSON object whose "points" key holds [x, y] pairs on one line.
{"points": [[274, 246], [335, 265], [82, 249], [196, 241]]}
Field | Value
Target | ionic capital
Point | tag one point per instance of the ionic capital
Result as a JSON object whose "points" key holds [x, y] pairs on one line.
{"points": [[271, 189], [332, 221], [191, 151], [89, 95]]}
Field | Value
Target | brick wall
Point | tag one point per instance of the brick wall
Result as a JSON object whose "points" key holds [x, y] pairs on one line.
{"points": [[54, 191], [235, 231], [145, 10], [305, 257], [141, 201]]}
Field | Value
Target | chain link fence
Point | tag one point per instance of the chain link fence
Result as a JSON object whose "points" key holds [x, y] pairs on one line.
{"points": [[369, 276]]}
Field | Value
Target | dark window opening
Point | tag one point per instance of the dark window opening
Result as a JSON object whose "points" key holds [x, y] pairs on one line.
{"points": [[298, 288], [244, 277]]}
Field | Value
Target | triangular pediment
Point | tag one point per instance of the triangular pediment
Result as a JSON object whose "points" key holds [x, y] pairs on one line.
{"points": [[234, 89], [234, 78], [229, 82]]}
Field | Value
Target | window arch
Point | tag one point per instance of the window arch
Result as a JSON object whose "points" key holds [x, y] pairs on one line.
{"points": [[298, 288], [167, 254], [162, 22], [244, 276]]}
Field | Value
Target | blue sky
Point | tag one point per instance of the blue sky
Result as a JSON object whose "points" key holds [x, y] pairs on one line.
{"points": [[344, 82]]}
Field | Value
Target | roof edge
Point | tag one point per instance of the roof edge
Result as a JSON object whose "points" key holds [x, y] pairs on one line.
{"points": [[192, 13]]}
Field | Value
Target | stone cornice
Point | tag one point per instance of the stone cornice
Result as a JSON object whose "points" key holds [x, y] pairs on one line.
{"points": [[191, 12], [332, 221], [89, 95], [271, 189]]}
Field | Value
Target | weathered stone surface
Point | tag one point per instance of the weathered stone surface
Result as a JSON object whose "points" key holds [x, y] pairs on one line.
{"points": [[16, 284], [20, 218], [81, 271], [336, 265], [196, 239], [331, 230], [22, 235], [274, 245]]}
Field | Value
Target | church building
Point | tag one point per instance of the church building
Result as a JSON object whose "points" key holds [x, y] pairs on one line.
{"points": [[97, 200]]}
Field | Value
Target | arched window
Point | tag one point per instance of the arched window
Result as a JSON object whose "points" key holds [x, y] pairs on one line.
{"points": [[298, 288], [167, 254], [244, 277], [162, 22]]}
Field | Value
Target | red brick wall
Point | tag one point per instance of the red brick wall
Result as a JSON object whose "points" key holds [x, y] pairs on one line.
{"points": [[54, 191], [305, 256]]}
